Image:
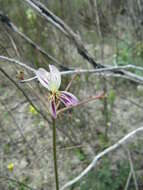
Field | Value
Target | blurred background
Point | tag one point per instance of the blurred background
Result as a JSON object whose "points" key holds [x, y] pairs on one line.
{"points": [[112, 32]]}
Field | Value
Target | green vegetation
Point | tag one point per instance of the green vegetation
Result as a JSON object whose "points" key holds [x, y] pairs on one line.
{"points": [[106, 176], [82, 132]]}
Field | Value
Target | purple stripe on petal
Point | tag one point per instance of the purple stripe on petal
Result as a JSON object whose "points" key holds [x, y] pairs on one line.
{"points": [[65, 101], [43, 77], [45, 81], [68, 98], [53, 108]]}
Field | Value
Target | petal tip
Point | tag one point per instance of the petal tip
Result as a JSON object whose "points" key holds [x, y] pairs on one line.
{"points": [[68, 98]]}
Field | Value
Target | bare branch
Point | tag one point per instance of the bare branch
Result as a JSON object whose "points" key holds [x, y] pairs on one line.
{"points": [[13, 44], [87, 100], [108, 69], [108, 72], [63, 27], [28, 80], [132, 170], [100, 155], [3, 58], [44, 116], [128, 180], [102, 71], [26, 96], [14, 28]]}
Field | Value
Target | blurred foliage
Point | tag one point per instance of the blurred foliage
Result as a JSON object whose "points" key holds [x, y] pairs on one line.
{"points": [[129, 53], [120, 42], [32, 110], [106, 177], [80, 154], [111, 97], [14, 186]]}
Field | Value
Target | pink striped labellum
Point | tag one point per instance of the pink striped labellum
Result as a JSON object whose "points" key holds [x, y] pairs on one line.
{"points": [[52, 81]]}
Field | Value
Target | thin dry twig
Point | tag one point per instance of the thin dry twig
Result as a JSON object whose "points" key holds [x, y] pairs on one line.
{"points": [[70, 83], [68, 32], [87, 100], [107, 69], [15, 29], [68, 86], [104, 71], [13, 44], [11, 60], [65, 29], [44, 116], [128, 180], [26, 96], [132, 170], [100, 155], [101, 71]]}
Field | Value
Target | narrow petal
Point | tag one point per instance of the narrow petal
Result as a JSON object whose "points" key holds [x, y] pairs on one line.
{"points": [[55, 78], [68, 98], [65, 101], [53, 108], [43, 77]]}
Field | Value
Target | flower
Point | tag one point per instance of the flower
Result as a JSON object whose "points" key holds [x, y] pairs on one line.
{"points": [[52, 81], [32, 110], [10, 166]]}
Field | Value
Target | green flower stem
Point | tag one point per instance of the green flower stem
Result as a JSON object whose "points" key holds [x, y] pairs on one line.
{"points": [[55, 155]]}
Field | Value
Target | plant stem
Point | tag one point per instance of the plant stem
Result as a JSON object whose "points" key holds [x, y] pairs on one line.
{"points": [[55, 155]]}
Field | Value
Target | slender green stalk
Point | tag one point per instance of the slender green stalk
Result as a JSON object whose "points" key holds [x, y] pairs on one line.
{"points": [[55, 155]]}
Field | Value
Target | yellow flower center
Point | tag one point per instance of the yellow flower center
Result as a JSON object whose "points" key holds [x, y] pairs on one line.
{"points": [[54, 95]]}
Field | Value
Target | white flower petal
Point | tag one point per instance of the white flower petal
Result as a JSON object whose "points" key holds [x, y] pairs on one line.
{"points": [[55, 78], [44, 77]]}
